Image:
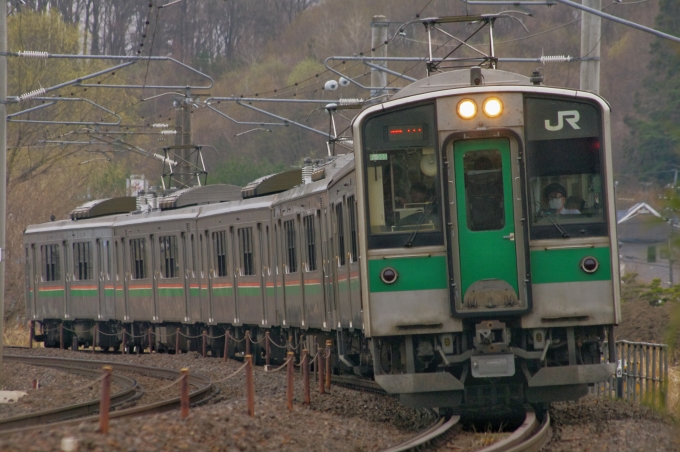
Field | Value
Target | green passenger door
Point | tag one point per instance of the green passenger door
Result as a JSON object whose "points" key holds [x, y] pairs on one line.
{"points": [[486, 224]]}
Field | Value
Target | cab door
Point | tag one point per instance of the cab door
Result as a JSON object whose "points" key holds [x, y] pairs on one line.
{"points": [[486, 225]]}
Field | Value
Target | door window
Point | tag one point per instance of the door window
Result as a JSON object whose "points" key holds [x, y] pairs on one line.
{"points": [[484, 200]]}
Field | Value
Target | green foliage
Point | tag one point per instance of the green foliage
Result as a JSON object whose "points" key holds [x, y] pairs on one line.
{"points": [[242, 170], [305, 69], [655, 130]]}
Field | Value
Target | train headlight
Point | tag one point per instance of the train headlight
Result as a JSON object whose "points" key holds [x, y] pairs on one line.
{"points": [[388, 275], [589, 264], [493, 107], [467, 109]]}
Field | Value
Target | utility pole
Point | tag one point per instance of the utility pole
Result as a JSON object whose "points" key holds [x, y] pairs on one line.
{"points": [[378, 49], [3, 163], [183, 139], [670, 254], [591, 26]]}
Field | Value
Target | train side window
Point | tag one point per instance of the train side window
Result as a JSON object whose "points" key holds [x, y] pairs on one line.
{"points": [[193, 255], [118, 259], [245, 241], [310, 242], [220, 246], [341, 233], [289, 230], [50, 263], [352, 214], [267, 250], [168, 252], [105, 259], [138, 258], [82, 261]]}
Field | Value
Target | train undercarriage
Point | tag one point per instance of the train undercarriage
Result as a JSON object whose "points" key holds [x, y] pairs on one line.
{"points": [[491, 364]]}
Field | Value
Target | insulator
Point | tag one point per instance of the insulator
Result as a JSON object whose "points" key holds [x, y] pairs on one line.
{"points": [[350, 101], [33, 54], [555, 59], [34, 93]]}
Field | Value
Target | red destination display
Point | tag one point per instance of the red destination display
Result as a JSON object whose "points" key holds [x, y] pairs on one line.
{"points": [[405, 133]]}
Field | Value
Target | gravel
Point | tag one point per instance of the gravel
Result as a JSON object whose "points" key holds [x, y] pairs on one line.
{"points": [[344, 420], [598, 424]]}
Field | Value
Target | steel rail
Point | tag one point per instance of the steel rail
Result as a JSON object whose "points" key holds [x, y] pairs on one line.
{"points": [[352, 382], [205, 390], [440, 427], [529, 437], [127, 394]]}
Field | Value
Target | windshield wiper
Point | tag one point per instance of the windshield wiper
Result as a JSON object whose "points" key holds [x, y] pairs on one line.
{"points": [[409, 243], [564, 233]]}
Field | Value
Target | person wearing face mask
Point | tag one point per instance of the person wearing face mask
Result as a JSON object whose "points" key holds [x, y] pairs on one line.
{"points": [[557, 198]]}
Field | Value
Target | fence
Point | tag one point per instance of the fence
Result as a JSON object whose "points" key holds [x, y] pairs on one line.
{"points": [[641, 373]]}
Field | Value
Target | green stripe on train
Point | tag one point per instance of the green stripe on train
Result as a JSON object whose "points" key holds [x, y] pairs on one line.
{"points": [[249, 291], [140, 292], [559, 266], [171, 292], [51, 293], [84, 292], [415, 273], [223, 292]]}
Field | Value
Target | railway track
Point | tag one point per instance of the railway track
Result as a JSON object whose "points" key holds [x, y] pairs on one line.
{"points": [[204, 390], [531, 436]]}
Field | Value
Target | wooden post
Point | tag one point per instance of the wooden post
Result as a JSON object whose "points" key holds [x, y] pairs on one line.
{"points": [[124, 341], [329, 343], [290, 343], [247, 340], [226, 345], [94, 338], [105, 401], [31, 333], [205, 343], [61, 336], [150, 346], [250, 385], [289, 380], [267, 349], [305, 375], [320, 366], [184, 393], [177, 351]]}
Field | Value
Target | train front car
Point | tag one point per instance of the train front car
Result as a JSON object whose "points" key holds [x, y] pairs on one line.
{"points": [[487, 222]]}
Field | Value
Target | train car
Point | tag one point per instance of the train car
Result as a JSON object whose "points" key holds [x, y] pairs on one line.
{"points": [[464, 254], [486, 215]]}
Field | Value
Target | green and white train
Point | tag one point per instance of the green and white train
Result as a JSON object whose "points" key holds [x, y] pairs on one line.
{"points": [[464, 254]]}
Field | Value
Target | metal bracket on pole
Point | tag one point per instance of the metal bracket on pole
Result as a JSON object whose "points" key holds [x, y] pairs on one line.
{"points": [[52, 101], [245, 122], [290, 121], [129, 60], [627, 23]]}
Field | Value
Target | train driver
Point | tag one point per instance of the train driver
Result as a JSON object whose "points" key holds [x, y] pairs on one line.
{"points": [[556, 195]]}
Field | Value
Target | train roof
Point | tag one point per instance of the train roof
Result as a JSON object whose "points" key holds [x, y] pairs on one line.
{"points": [[460, 79], [333, 171]]}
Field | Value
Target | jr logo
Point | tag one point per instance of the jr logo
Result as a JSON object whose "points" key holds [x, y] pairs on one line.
{"points": [[572, 117]]}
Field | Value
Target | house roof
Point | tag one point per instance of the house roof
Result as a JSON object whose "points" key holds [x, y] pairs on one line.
{"points": [[641, 208]]}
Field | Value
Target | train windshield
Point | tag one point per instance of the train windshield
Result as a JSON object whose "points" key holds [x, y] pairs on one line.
{"points": [[402, 191], [402, 178], [566, 186]]}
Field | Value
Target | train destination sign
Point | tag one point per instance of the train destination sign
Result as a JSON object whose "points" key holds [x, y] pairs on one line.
{"points": [[551, 119], [404, 133]]}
